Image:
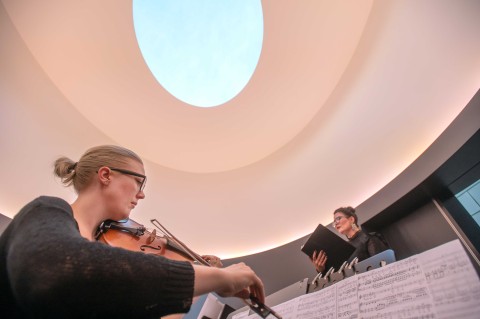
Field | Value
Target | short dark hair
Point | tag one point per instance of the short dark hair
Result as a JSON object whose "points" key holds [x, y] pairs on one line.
{"points": [[347, 211]]}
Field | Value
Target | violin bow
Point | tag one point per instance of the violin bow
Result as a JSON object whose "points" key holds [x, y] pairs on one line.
{"points": [[258, 307], [190, 252]]}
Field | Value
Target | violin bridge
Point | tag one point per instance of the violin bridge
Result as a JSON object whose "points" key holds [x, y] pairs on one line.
{"points": [[152, 237]]}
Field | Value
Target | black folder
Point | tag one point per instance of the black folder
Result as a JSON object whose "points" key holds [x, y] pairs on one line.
{"points": [[337, 249]]}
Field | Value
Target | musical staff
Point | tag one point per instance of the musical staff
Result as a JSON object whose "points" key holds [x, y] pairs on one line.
{"points": [[347, 298], [320, 304], [399, 290], [439, 283], [452, 281]]}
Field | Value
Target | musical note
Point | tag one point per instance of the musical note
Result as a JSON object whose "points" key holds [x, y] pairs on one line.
{"points": [[439, 283], [452, 280], [347, 298]]}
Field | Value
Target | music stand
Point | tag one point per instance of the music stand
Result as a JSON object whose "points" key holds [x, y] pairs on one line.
{"points": [[387, 257]]}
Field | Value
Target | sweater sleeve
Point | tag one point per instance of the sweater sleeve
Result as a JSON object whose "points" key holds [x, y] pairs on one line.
{"points": [[54, 272]]}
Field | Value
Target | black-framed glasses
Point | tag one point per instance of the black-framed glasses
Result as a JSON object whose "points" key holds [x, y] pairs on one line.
{"points": [[337, 219], [127, 172]]}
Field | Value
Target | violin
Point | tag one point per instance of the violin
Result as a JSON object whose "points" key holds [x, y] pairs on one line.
{"points": [[131, 235]]}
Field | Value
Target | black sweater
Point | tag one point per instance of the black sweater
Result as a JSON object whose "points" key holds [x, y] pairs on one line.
{"points": [[48, 270], [366, 245]]}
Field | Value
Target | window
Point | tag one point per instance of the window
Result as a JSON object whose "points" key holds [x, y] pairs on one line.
{"points": [[202, 52], [470, 199]]}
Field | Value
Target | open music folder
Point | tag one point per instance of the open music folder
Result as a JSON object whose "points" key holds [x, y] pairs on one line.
{"points": [[337, 249]]}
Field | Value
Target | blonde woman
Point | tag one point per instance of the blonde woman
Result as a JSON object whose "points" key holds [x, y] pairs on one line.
{"points": [[52, 267]]}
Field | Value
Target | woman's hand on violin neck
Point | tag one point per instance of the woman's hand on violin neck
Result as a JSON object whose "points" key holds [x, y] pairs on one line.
{"points": [[214, 261], [237, 280]]}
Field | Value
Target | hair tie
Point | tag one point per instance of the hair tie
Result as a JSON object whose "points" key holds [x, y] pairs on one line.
{"points": [[72, 168]]}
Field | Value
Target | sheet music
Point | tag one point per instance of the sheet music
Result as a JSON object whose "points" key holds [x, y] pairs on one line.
{"points": [[452, 280], [397, 291], [287, 309], [439, 283], [347, 298], [241, 315], [319, 304]]}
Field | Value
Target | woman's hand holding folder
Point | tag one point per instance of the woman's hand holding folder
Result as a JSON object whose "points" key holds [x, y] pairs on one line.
{"points": [[319, 260]]}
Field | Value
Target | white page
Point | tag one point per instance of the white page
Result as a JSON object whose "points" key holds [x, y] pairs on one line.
{"points": [[398, 290], [439, 283], [319, 304], [241, 315], [347, 298], [452, 280], [288, 310]]}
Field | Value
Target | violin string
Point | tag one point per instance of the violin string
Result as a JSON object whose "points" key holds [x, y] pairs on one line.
{"points": [[190, 252]]}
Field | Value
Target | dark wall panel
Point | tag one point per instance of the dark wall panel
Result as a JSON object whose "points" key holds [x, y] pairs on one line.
{"points": [[422, 229], [281, 266]]}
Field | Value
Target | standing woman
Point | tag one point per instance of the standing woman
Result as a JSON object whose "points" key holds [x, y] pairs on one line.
{"points": [[345, 222], [52, 267]]}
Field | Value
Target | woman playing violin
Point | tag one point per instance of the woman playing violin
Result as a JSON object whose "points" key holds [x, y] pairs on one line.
{"points": [[52, 267]]}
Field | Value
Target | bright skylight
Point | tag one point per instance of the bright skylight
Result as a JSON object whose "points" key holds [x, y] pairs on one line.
{"points": [[202, 52]]}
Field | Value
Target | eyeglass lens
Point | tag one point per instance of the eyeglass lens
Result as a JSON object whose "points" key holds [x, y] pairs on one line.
{"points": [[337, 219], [127, 172]]}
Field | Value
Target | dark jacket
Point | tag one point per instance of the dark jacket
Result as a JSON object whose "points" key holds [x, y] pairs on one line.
{"points": [[366, 245]]}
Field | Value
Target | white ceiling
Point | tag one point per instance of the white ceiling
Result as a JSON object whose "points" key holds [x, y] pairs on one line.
{"points": [[345, 96]]}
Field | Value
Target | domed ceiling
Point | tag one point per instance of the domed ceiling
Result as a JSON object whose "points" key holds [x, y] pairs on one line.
{"points": [[344, 97]]}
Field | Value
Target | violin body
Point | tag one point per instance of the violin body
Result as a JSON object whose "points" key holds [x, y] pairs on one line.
{"points": [[133, 236]]}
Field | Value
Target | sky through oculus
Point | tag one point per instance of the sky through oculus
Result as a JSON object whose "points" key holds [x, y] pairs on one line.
{"points": [[202, 52]]}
